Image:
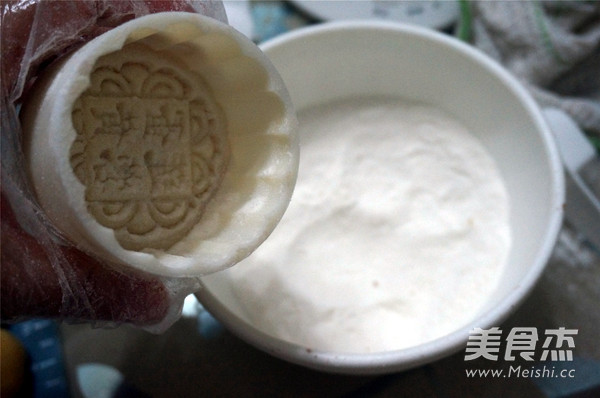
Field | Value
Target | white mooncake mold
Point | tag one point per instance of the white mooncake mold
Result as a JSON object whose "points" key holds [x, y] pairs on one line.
{"points": [[167, 144]]}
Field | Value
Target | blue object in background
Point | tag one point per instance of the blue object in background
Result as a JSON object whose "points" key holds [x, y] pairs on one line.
{"points": [[41, 341], [272, 18], [585, 380]]}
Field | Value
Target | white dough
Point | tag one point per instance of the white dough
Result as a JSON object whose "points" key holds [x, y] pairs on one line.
{"points": [[396, 234]]}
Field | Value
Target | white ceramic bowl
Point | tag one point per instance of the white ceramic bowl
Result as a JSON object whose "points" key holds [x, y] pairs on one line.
{"points": [[342, 59]]}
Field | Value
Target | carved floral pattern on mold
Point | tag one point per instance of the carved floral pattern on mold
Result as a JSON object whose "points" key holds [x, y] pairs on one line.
{"points": [[151, 148]]}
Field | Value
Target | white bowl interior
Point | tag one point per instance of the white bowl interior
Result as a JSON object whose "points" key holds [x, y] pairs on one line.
{"points": [[340, 60]]}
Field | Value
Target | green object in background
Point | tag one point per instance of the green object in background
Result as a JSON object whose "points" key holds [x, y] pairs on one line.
{"points": [[463, 29], [596, 143]]}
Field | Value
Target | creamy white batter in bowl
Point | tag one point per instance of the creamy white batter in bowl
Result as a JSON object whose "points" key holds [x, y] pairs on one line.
{"points": [[347, 61]]}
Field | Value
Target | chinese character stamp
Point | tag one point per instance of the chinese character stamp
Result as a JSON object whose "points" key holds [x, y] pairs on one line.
{"points": [[151, 147]]}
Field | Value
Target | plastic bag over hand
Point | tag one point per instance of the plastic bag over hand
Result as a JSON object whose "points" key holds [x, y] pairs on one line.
{"points": [[43, 274]]}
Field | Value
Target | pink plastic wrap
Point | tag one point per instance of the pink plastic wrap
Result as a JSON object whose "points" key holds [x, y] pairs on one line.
{"points": [[43, 275]]}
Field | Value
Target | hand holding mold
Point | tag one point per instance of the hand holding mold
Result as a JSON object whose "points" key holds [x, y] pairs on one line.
{"points": [[163, 149]]}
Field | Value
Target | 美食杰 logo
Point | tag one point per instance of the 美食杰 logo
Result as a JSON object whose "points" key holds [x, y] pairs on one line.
{"points": [[542, 348]]}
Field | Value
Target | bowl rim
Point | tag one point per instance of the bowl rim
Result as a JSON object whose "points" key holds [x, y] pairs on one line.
{"points": [[403, 359]]}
